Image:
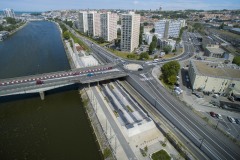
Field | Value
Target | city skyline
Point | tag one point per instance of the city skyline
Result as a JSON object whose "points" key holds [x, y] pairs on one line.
{"points": [[45, 5]]}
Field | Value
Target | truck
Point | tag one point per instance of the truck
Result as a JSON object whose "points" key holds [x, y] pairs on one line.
{"points": [[39, 82], [90, 74]]}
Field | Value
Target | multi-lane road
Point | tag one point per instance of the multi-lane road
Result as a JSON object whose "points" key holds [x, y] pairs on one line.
{"points": [[211, 142]]}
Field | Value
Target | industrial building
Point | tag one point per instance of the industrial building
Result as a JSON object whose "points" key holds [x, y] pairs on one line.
{"points": [[215, 77], [166, 42], [130, 24], [214, 51]]}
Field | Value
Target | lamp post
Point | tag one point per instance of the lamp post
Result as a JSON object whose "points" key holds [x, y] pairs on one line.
{"points": [[217, 125], [201, 142]]}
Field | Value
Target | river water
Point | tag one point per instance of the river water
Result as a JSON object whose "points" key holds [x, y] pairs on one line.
{"points": [[56, 128]]}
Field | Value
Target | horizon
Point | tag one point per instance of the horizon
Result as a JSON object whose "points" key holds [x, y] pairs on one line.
{"points": [[167, 5]]}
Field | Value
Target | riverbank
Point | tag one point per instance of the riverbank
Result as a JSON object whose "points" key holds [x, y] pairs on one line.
{"points": [[17, 29]]}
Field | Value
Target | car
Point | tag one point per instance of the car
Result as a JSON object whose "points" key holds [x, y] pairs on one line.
{"points": [[232, 120], [237, 120], [219, 116], [213, 114]]}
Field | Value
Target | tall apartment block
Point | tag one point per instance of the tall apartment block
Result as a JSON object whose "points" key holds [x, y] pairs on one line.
{"points": [[9, 13], [94, 24], [168, 28], [130, 24], [109, 26], [83, 22]]}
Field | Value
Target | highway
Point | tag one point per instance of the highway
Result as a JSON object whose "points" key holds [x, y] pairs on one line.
{"points": [[212, 143]]}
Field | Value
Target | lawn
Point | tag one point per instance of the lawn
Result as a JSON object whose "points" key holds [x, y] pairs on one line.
{"points": [[161, 155]]}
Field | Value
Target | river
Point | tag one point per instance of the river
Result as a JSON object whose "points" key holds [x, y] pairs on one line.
{"points": [[56, 128]]}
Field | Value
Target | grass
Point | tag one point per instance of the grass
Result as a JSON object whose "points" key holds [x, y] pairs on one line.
{"points": [[103, 44], [81, 43], [129, 108], [160, 155], [116, 113], [111, 86], [106, 153]]}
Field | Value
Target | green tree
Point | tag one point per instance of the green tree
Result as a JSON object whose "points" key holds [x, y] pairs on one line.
{"points": [[69, 23], [236, 60], [101, 40], [66, 35], [151, 47], [152, 30], [119, 32], [144, 55], [1, 27], [154, 39], [167, 49], [11, 20], [145, 23], [170, 71]]}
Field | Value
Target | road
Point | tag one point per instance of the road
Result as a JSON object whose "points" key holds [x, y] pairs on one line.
{"points": [[211, 142]]}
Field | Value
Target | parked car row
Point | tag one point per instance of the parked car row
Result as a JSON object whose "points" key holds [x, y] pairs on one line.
{"points": [[231, 119]]}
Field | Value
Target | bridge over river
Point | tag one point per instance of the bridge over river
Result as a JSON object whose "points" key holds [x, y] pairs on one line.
{"points": [[43, 82]]}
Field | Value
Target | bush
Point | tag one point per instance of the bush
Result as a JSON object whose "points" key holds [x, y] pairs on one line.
{"points": [[144, 55], [162, 154], [236, 60]]}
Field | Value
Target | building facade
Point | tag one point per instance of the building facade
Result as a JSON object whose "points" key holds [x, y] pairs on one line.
{"points": [[169, 28], [83, 22], [130, 24], [9, 13], [94, 26], [109, 26], [214, 77], [214, 51]]}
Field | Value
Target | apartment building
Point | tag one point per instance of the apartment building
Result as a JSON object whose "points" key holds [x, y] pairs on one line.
{"points": [[94, 25], [130, 24], [9, 13], [109, 26], [169, 28], [83, 22]]}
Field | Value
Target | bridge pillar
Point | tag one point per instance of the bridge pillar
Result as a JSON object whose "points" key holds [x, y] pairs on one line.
{"points": [[42, 95]]}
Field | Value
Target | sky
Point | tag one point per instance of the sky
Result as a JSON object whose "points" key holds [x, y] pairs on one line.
{"points": [[47, 5]]}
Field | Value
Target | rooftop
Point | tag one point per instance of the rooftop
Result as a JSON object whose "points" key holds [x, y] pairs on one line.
{"points": [[211, 69], [236, 29], [216, 50]]}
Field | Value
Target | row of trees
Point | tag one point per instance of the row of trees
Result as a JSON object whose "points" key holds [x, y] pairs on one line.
{"points": [[12, 24]]}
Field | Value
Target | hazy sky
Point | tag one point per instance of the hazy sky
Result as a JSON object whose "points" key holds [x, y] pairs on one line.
{"points": [[44, 5]]}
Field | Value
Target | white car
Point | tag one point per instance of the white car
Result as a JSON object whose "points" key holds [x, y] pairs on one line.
{"points": [[231, 119], [219, 116]]}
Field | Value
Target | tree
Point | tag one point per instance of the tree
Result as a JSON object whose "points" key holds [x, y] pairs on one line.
{"points": [[152, 30], [236, 60], [145, 23], [170, 71], [144, 55], [66, 35], [151, 47], [101, 40], [1, 27], [154, 39], [69, 23], [11, 20], [167, 49], [119, 32]]}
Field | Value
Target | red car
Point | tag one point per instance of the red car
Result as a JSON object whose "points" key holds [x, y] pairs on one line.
{"points": [[213, 114]]}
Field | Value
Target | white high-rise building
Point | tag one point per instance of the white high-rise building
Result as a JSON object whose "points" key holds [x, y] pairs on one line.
{"points": [[130, 24], [9, 13], [83, 22], [94, 25], [168, 28], [109, 26]]}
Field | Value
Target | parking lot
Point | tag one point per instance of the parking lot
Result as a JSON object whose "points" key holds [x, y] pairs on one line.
{"points": [[225, 124]]}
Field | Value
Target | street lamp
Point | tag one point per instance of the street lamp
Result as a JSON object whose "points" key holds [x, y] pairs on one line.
{"points": [[201, 142], [217, 125]]}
